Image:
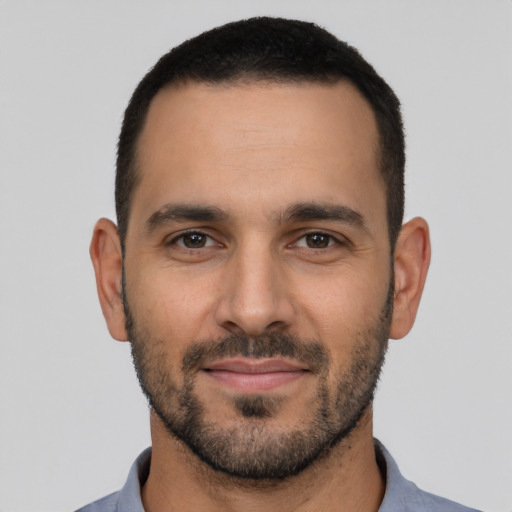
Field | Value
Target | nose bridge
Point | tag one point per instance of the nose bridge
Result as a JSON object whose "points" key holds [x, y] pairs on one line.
{"points": [[254, 297]]}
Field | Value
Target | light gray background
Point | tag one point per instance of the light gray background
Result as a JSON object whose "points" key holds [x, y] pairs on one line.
{"points": [[72, 416]]}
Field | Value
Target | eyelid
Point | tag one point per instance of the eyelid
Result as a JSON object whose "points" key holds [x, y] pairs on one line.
{"points": [[173, 239], [337, 238]]}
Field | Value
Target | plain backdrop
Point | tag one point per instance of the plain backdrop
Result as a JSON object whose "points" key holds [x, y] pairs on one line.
{"points": [[72, 416]]}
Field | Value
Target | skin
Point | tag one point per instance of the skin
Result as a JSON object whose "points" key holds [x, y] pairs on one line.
{"points": [[254, 152]]}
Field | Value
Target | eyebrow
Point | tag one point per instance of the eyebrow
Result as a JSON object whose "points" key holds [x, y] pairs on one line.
{"points": [[300, 212], [304, 212], [184, 212]]}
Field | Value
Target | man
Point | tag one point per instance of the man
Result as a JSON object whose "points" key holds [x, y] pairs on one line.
{"points": [[258, 268]]}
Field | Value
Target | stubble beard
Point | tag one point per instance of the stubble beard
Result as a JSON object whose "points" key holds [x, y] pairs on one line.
{"points": [[253, 447]]}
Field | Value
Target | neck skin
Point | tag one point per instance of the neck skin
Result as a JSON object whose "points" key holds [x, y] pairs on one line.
{"points": [[348, 479]]}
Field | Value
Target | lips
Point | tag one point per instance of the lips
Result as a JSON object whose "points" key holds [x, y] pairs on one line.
{"points": [[254, 375]]}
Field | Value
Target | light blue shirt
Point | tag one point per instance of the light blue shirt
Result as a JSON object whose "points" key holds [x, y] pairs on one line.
{"points": [[401, 494]]}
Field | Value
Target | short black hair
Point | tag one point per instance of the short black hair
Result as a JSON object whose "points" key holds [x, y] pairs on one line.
{"points": [[272, 50]]}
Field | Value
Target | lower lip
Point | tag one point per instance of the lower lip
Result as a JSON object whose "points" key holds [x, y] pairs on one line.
{"points": [[255, 382]]}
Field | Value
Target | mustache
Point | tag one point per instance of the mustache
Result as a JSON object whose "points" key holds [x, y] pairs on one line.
{"points": [[310, 353]]}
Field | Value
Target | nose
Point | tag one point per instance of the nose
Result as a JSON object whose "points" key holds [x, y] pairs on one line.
{"points": [[254, 294]]}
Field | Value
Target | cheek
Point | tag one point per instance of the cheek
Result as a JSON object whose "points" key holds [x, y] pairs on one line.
{"points": [[341, 308], [170, 306]]}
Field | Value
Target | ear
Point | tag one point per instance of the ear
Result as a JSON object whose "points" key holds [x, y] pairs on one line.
{"points": [[107, 259], [412, 258]]}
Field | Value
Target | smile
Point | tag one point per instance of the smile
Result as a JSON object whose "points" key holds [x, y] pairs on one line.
{"points": [[254, 375]]}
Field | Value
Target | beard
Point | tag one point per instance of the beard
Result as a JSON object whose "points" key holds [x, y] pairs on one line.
{"points": [[256, 446]]}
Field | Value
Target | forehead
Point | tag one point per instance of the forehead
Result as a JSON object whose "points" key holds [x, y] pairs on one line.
{"points": [[285, 143]]}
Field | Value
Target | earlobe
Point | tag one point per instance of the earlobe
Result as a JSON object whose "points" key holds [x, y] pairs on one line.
{"points": [[107, 259], [411, 262]]}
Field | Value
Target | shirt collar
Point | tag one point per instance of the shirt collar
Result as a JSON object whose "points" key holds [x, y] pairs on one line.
{"points": [[398, 489], [130, 499]]}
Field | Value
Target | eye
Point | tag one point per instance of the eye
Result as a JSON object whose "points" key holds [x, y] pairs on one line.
{"points": [[316, 240], [194, 240]]}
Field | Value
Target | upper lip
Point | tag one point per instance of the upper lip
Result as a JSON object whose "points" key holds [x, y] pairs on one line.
{"points": [[253, 365]]}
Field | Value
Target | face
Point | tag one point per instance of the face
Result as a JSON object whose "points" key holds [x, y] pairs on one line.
{"points": [[257, 277]]}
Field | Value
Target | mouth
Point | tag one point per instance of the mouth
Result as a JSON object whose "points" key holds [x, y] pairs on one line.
{"points": [[254, 375]]}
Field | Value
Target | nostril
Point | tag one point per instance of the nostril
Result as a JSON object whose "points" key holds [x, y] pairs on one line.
{"points": [[278, 324], [247, 330], [232, 327]]}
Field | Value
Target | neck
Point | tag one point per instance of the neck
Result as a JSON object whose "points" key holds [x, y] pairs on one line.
{"points": [[347, 479]]}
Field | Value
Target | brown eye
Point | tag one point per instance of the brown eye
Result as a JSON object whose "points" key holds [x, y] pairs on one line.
{"points": [[318, 240], [194, 240]]}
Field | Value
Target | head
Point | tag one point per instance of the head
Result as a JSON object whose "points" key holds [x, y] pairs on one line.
{"points": [[259, 267]]}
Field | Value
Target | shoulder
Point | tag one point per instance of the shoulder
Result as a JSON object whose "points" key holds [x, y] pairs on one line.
{"points": [[128, 499], [403, 495], [105, 504], [414, 499], [431, 502]]}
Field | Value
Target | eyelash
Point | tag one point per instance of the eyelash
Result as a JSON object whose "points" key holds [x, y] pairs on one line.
{"points": [[332, 240], [191, 233]]}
